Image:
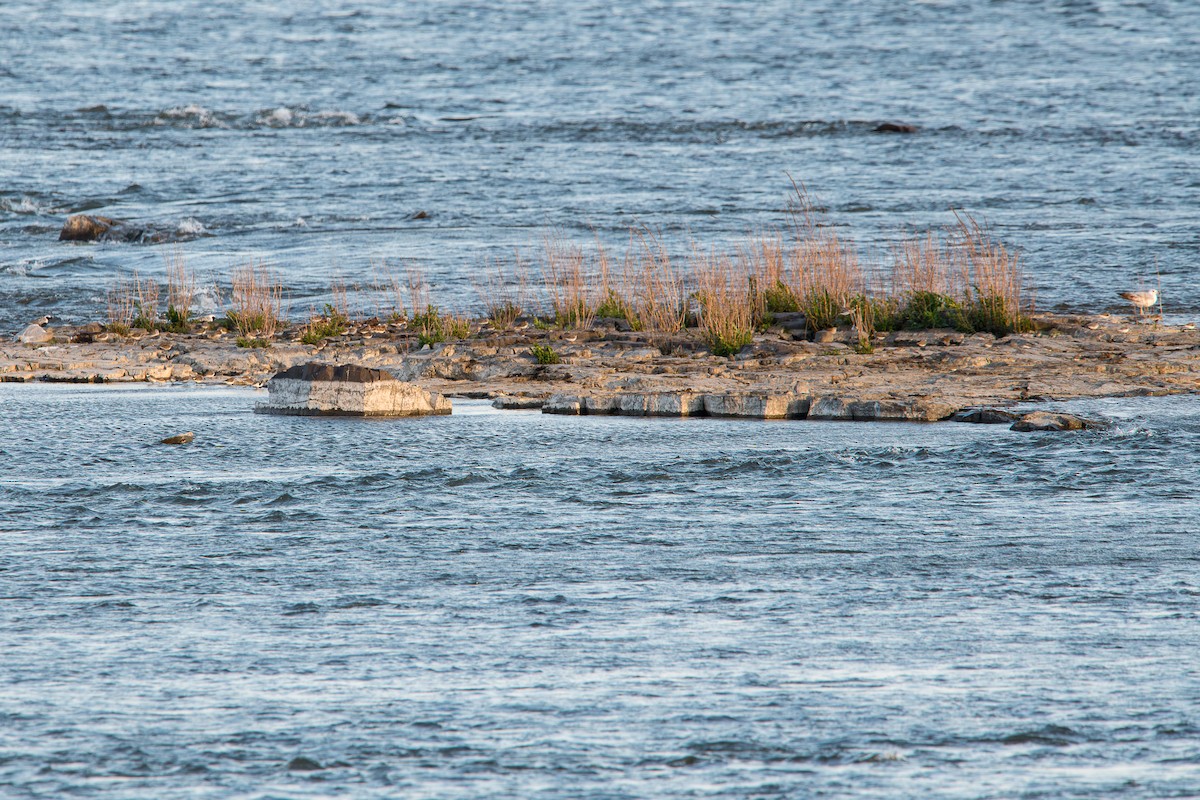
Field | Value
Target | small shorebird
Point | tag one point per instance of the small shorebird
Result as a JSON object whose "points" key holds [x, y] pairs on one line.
{"points": [[42, 320], [1141, 300]]}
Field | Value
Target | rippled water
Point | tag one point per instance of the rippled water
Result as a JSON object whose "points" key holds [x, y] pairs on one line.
{"points": [[308, 136], [505, 604]]}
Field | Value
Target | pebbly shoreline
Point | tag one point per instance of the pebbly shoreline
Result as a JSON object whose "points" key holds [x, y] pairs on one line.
{"points": [[911, 375]]}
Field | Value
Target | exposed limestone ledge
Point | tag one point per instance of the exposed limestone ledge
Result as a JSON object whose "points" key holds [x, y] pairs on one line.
{"points": [[326, 390], [911, 375]]}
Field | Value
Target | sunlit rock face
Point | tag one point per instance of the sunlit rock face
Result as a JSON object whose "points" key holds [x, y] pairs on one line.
{"points": [[327, 390]]}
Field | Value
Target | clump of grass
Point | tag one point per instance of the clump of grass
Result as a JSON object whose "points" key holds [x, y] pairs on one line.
{"points": [[181, 292], [823, 271], [252, 342], [924, 310], [545, 354], [966, 281], [992, 301], [616, 306], [504, 296], [764, 260], [568, 283], [428, 325], [726, 318], [861, 311], [121, 303], [656, 286], [146, 304], [257, 302], [433, 327], [321, 326]]}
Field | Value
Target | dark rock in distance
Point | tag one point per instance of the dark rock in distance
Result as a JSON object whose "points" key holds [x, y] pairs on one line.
{"points": [[896, 127], [302, 764]]}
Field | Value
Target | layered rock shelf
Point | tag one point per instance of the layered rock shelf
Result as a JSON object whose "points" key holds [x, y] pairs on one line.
{"points": [[910, 376], [315, 389]]}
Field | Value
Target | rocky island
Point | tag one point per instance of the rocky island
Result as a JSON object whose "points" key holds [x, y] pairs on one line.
{"points": [[924, 375]]}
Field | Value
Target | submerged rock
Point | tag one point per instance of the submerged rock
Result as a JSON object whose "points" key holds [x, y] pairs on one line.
{"points": [[35, 334], [93, 228], [303, 764], [326, 390], [1052, 421], [896, 127], [180, 438]]}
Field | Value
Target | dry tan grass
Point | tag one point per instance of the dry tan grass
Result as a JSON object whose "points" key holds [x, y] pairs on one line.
{"points": [[925, 264], [256, 301], [181, 287], [726, 309], [121, 305], [570, 282], [504, 292], [147, 291], [655, 287]]}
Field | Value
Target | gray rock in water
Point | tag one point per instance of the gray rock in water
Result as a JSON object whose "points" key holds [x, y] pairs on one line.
{"points": [[985, 416], [1052, 421], [509, 402], [35, 334], [302, 764], [181, 438], [326, 390]]}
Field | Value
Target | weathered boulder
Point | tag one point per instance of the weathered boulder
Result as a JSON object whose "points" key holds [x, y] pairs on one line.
{"points": [[1052, 421], [326, 390], [89, 228], [92, 228], [180, 438], [35, 334], [985, 416]]}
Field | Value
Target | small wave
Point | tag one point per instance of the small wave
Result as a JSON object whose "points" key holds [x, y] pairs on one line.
{"points": [[287, 117], [25, 206], [189, 116], [190, 226]]}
